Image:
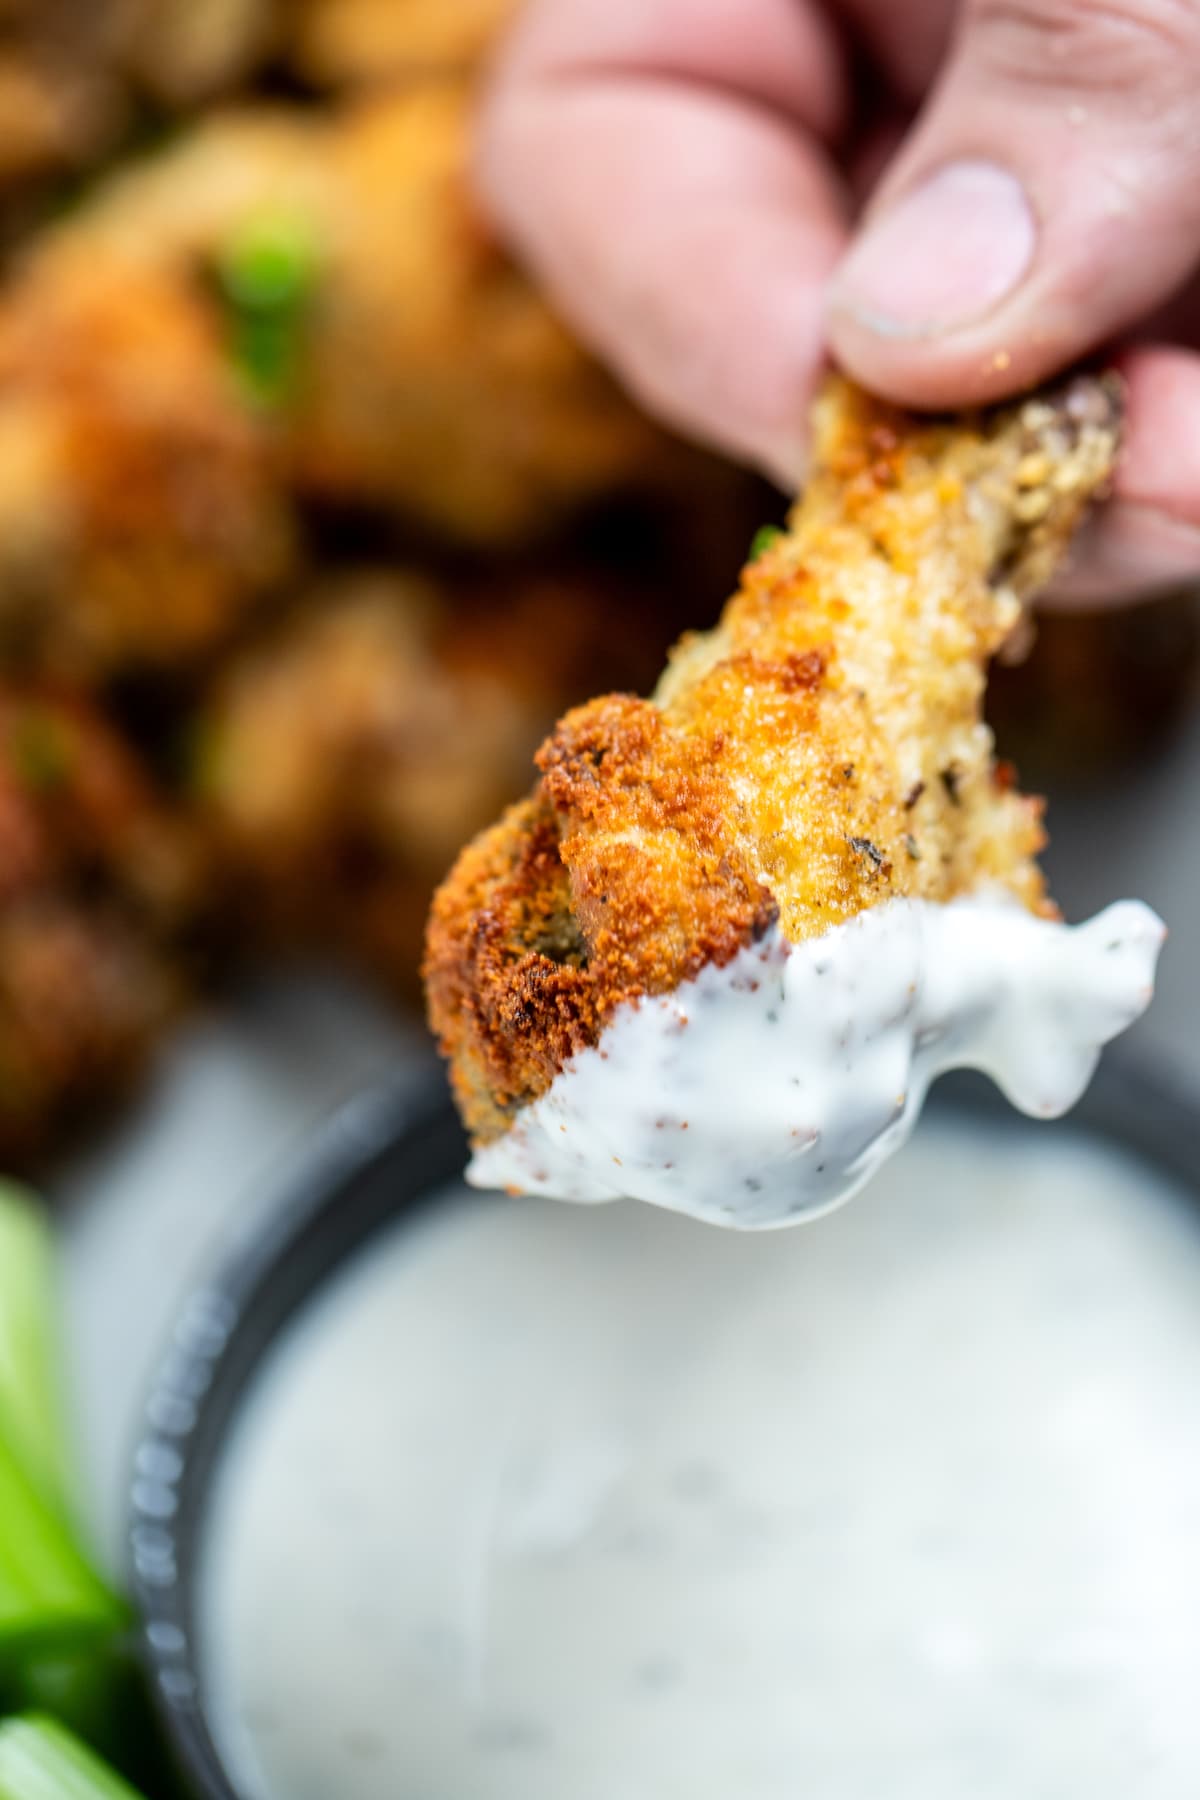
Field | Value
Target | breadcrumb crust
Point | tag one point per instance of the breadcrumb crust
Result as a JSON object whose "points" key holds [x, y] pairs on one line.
{"points": [[820, 751]]}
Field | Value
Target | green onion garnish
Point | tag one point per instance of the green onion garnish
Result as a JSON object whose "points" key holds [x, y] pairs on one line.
{"points": [[268, 274], [41, 1760], [271, 262], [762, 540]]}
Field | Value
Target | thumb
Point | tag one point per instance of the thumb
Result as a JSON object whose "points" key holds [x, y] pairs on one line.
{"points": [[1048, 196]]}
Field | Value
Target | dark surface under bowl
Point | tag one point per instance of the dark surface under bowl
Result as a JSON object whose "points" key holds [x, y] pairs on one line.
{"points": [[382, 1156]]}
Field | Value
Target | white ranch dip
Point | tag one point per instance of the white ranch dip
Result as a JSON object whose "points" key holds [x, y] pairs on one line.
{"points": [[769, 1091], [547, 1503]]}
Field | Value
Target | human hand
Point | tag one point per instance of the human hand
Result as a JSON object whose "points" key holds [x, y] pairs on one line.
{"points": [[957, 199]]}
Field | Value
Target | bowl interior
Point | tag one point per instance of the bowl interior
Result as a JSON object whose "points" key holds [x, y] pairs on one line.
{"points": [[384, 1156]]}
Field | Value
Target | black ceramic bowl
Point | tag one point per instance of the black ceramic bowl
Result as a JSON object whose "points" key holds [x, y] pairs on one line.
{"points": [[385, 1154]]}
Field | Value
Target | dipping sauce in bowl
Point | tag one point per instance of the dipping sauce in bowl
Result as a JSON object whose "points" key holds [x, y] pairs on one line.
{"points": [[546, 1503]]}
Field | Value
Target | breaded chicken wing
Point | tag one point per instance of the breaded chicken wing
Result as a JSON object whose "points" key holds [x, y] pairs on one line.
{"points": [[97, 888], [140, 508], [284, 306], [418, 372], [345, 755], [821, 751], [476, 413]]}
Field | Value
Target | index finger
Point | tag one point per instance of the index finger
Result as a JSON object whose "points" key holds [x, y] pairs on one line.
{"points": [[664, 170]]}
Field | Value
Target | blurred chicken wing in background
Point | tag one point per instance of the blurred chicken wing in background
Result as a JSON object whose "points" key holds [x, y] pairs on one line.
{"points": [[99, 888], [344, 758], [313, 517]]}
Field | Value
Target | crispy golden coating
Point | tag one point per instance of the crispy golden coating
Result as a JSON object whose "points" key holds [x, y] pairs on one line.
{"points": [[140, 515], [344, 757], [96, 883], [821, 751], [339, 43]]}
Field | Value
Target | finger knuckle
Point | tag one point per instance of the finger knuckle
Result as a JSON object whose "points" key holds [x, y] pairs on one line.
{"points": [[1100, 46]]}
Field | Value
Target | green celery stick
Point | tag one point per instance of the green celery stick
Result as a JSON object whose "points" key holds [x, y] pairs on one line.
{"points": [[102, 1695], [41, 1760], [31, 1410], [50, 1596]]}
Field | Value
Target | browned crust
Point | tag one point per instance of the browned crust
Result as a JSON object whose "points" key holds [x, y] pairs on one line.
{"points": [[533, 984], [821, 751]]}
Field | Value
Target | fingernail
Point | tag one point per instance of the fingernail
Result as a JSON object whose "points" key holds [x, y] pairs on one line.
{"points": [[941, 256]]}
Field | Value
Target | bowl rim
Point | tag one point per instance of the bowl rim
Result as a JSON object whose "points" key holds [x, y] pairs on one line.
{"points": [[188, 1407], [407, 1126]]}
